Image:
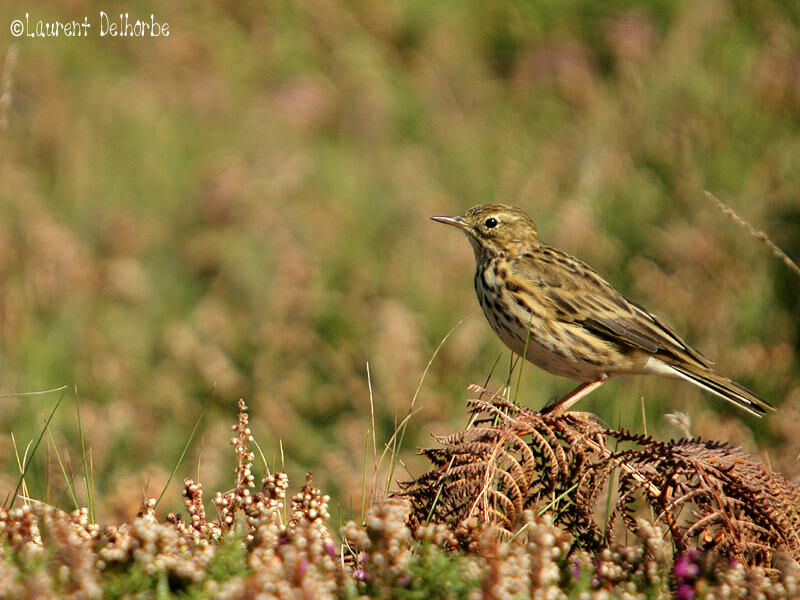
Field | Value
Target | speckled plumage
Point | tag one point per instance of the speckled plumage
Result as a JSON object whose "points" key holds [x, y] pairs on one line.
{"points": [[567, 319]]}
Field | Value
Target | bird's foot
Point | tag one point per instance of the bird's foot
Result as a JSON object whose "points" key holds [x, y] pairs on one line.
{"points": [[563, 405]]}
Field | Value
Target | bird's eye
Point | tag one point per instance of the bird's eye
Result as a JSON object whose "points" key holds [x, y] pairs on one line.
{"points": [[490, 222]]}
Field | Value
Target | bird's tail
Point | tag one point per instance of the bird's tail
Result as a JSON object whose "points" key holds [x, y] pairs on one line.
{"points": [[723, 387]]}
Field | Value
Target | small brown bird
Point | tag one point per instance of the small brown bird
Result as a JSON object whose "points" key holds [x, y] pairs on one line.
{"points": [[565, 318]]}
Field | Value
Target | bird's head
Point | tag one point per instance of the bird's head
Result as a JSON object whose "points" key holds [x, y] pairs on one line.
{"points": [[495, 229]]}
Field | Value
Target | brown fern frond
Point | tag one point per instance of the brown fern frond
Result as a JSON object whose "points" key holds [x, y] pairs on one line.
{"points": [[737, 506], [512, 458]]}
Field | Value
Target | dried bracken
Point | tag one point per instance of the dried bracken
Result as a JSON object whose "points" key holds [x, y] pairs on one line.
{"points": [[710, 496], [511, 459]]}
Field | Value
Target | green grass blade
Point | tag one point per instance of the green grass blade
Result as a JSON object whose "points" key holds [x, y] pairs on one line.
{"points": [[398, 440], [364, 481], [88, 478], [522, 360], [28, 459], [183, 452], [67, 478]]}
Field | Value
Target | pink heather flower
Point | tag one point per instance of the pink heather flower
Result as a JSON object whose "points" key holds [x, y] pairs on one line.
{"points": [[575, 568], [330, 549], [302, 568], [685, 592], [685, 568]]}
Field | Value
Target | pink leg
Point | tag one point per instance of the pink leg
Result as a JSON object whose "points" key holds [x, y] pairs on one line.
{"points": [[562, 405]]}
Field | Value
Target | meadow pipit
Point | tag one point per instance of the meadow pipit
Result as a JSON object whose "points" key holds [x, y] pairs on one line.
{"points": [[565, 318]]}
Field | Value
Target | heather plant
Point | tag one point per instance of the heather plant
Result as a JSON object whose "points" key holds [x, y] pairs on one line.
{"points": [[264, 543], [242, 210]]}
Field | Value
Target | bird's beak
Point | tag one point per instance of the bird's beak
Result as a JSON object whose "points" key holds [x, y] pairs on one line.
{"points": [[454, 221]]}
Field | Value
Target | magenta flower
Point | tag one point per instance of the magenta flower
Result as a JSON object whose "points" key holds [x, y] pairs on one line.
{"points": [[685, 592], [575, 568], [302, 568], [685, 567], [330, 549]]}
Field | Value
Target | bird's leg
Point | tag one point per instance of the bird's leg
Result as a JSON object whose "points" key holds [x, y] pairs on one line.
{"points": [[561, 406]]}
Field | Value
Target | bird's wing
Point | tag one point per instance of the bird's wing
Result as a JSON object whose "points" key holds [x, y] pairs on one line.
{"points": [[576, 293]]}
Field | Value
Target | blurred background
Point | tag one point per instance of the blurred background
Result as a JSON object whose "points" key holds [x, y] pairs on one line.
{"points": [[241, 209]]}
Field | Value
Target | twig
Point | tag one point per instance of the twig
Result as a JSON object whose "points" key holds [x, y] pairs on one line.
{"points": [[756, 233]]}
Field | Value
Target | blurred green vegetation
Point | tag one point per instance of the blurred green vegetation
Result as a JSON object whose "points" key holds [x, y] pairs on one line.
{"points": [[241, 210]]}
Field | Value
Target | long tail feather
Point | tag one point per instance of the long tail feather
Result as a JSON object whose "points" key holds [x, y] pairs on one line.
{"points": [[724, 388]]}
